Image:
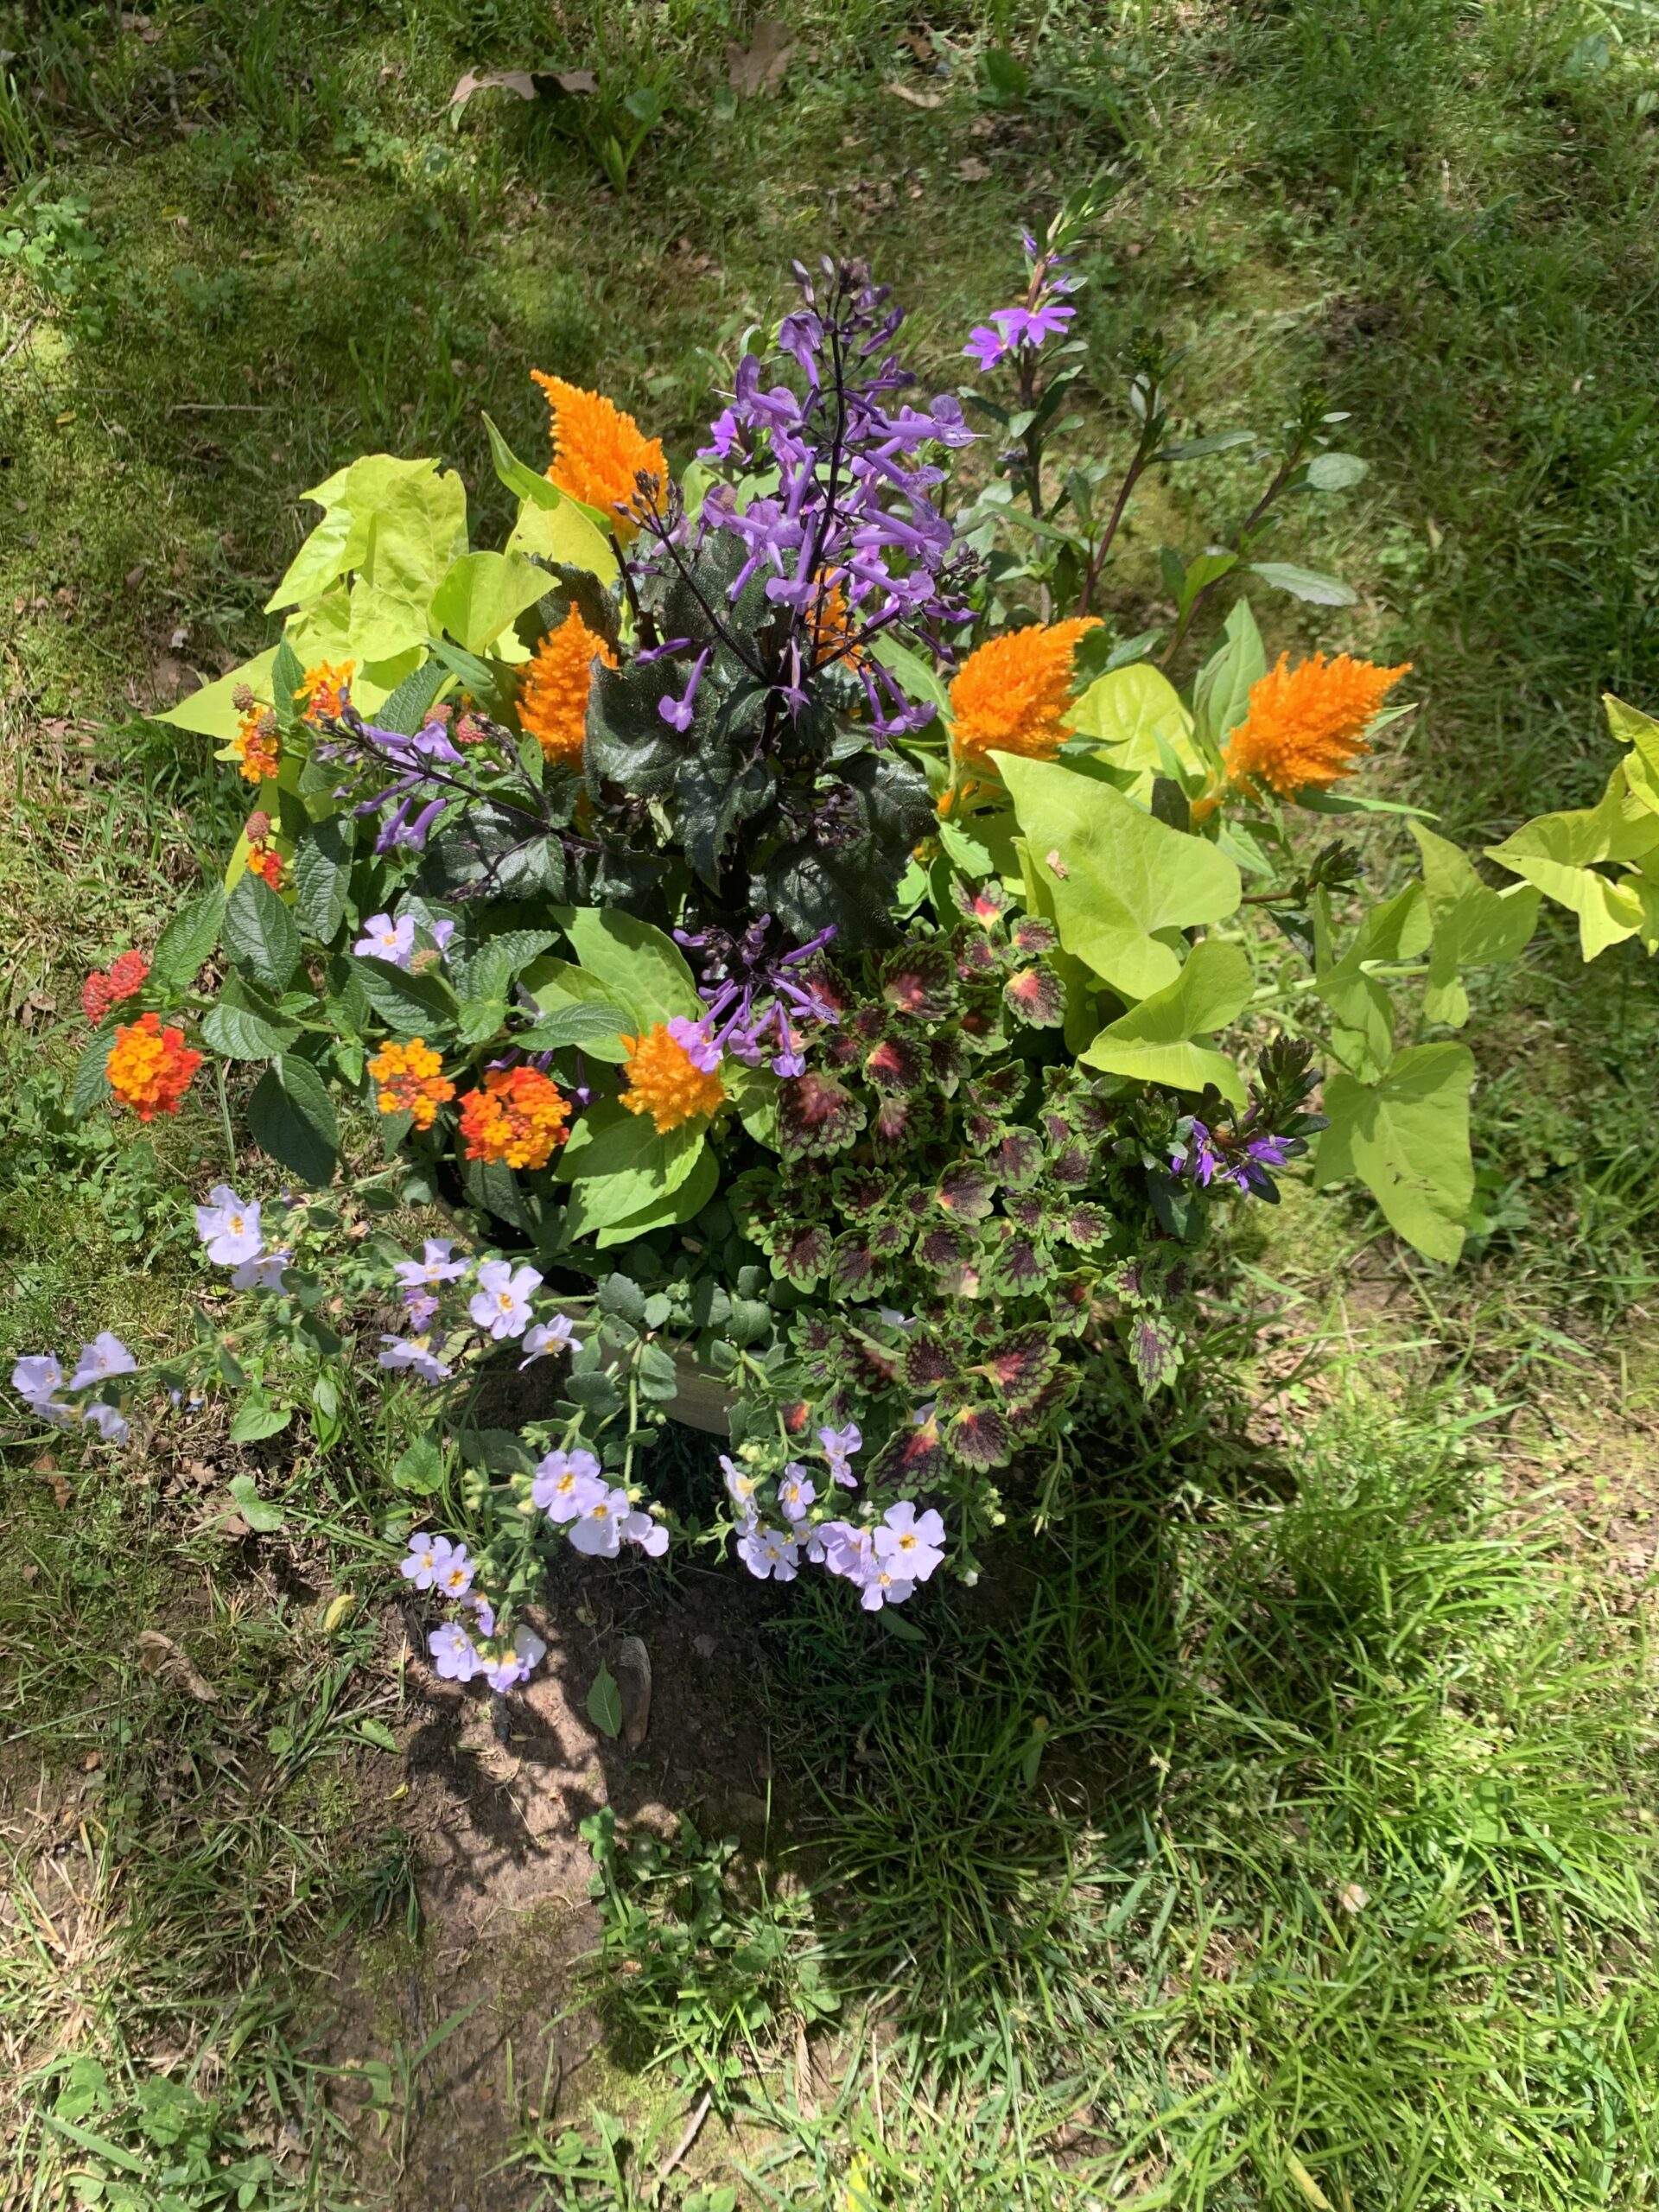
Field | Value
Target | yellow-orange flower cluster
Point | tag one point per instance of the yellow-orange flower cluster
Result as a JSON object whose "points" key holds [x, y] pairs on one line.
{"points": [[1013, 693], [598, 450], [1306, 725], [519, 1117], [254, 742], [667, 1083], [326, 689], [149, 1067], [553, 693], [412, 1081]]}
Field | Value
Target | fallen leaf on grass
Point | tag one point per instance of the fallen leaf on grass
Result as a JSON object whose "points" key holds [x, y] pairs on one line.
{"points": [[159, 1656], [917, 100], [760, 66], [972, 171], [518, 81]]}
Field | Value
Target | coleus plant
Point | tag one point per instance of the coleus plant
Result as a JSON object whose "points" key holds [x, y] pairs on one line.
{"points": [[684, 896]]}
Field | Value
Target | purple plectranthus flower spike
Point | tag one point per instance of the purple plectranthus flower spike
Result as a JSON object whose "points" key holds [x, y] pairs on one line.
{"points": [[677, 713]]}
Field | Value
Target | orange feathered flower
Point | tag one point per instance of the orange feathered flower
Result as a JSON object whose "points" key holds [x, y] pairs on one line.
{"points": [[553, 691], [412, 1081], [519, 1117], [1014, 692], [598, 450], [666, 1082], [1306, 725], [149, 1067]]}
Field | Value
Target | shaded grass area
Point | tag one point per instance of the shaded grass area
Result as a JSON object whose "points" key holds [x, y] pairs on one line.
{"points": [[1267, 1848]]}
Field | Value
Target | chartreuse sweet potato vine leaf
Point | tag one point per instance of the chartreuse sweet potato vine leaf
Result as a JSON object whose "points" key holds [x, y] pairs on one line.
{"points": [[1405, 1137], [1473, 925], [1136, 715], [1562, 853], [640, 966], [1157, 1040], [482, 594], [1123, 885], [621, 1166], [1398, 931]]}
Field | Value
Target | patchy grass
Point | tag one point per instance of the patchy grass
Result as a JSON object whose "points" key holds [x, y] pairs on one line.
{"points": [[1279, 1838]]}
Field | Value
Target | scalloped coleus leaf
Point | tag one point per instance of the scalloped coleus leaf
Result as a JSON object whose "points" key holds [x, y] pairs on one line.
{"points": [[1084, 1225], [1036, 996], [985, 905], [946, 1062], [979, 956], [852, 1266], [893, 1118], [1072, 1165], [1032, 935], [1155, 1349], [858, 1193], [802, 1255], [1020, 1364], [952, 1257], [916, 1454], [1019, 1269], [919, 982], [965, 1191], [1026, 1209], [816, 1116], [887, 1239], [927, 1364], [998, 1088], [979, 1436], [1072, 1302], [878, 1364], [981, 1023], [1017, 1159], [894, 1066]]}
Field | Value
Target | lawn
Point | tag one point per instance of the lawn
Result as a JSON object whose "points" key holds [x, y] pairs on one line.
{"points": [[1276, 1829]]}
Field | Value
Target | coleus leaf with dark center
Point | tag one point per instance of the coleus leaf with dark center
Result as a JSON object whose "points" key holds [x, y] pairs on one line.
{"points": [[998, 1089], [875, 1363], [927, 1364], [952, 1257], [816, 1116], [981, 1023], [858, 1194], [867, 1023], [1026, 1209], [1020, 1364], [1083, 1225], [1070, 1303], [887, 1239], [894, 1066], [979, 1437], [915, 1455], [945, 1061], [1019, 1269], [1032, 935], [802, 1255], [1155, 1349], [919, 983], [1017, 1159], [985, 905], [841, 1049], [979, 956], [1035, 995], [892, 1120], [965, 1192], [1072, 1165], [853, 1269]]}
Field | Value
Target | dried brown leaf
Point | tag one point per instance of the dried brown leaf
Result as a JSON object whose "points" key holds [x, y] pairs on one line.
{"points": [[915, 98], [159, 1656], [760, 66]]}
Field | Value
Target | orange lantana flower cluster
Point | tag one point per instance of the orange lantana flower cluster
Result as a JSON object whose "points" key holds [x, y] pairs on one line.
{"points": [[553, 693], [326, 690], [254, 742], [518, 1118], [666, 1082], [412, 1081], [1012, 694], [149, 1067], [1306, 725], [598, 451]]}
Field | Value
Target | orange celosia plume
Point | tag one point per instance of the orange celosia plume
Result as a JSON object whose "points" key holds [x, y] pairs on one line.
{"points": [[519, 1117], [1014, 692], [149, 1067], [667, 1083], [1306, 725], [553, 692], [598, 451]]}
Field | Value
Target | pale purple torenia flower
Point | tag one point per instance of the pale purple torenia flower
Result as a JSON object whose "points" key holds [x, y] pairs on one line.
{"points": [[501, 1303], [37, 1375], [548, 1337], [482, 1610], [455, 1655], [454, 1575], [770, 1553], [426, 1559], [229, 1227], [104, 1357], [796, 1491], [264, 1272], [644, 1529], [109, 1421], [505, 1671], [740, 1487], [567, 1484], [839, 1444], [384, 939], [435, 1267], [414, 1355], [848, 1550], [908, 1547], [440, 931], [597, 1530], [420, 1307]]}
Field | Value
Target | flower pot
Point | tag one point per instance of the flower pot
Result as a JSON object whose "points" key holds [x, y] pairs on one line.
{"points": [[701, 1402]]}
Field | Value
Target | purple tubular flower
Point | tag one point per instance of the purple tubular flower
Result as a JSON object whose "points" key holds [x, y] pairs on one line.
{"points": [[678, 712], [755, 994]]}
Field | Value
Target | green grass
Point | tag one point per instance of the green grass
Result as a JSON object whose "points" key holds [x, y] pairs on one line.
{"points": [[1085, 1864]]}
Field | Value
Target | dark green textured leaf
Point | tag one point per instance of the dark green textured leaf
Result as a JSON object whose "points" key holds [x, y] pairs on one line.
{"points": [[187, 940], [260, 934], [409, 1005], [237, 1033], [322, 865], [91, 1085], [293, 1119]]}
